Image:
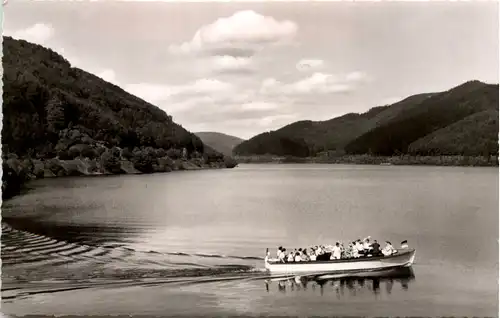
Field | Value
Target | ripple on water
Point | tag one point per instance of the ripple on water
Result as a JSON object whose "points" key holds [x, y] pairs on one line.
{"points": [[59, 259]]}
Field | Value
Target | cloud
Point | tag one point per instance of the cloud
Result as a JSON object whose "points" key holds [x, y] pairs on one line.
{"points": [[316, 83], [243, 106], [231, 64], [259, 106], [245, 31], [232, 51], [38, 33], [307, 65], [219, 111], [356, 76], [156, 93]]}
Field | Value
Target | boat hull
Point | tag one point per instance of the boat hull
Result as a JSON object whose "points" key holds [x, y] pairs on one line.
{"points": [[360, 266]]}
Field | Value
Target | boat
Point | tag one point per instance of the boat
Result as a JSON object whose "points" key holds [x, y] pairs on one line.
{"points": [[362, 266]]}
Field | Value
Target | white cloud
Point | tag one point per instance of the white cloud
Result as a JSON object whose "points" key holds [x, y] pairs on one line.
{"points": [[316, 83], [155, 93], [356, 76], [309, 64], [205, 86], [38, 33], [243, 30], [228, 63], [270, 83], [259, 106]]}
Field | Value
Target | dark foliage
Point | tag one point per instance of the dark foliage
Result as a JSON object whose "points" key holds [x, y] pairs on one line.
{"points": [[44, 95], [432, 114], [472, 136], [16, 176]]}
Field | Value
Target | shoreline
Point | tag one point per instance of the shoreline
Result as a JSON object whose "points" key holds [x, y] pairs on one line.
{"points": [[404, 160], [19, 172]]}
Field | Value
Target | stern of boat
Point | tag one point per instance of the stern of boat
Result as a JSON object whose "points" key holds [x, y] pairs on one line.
{"points": [[412, 258]]}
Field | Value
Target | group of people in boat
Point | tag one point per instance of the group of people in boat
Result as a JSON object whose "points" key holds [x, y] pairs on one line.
{"points": [[355, 249]]}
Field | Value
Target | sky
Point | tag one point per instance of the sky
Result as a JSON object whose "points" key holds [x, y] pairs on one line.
{"points": [[246, 68]]}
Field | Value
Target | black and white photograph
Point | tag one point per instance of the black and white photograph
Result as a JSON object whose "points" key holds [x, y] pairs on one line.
{"points": [[250, 158]]}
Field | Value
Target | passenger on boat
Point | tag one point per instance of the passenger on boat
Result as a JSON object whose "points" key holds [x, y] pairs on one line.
{"points": [[388, 249], [354, 251], [337, 252], [366, 244], [319, 251], [360, 248], [282, 255], [323, 255], [290, 257], [343, 250], [404, 244], [375, 249], [305, 256], [297, 257], [312, 257], [278, 253], [349, 251]]}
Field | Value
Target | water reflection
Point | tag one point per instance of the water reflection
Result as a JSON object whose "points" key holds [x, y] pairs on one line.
{"points": [[349, 286]]}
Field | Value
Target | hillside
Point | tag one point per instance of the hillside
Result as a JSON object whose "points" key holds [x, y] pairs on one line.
{"points": [[432, 114], [455, 138], [59, 120], [331, 135], [391, 129], [220, 142]]}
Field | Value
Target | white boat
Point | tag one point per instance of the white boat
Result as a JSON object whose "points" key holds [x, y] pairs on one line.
{"points": [[362, 266]]}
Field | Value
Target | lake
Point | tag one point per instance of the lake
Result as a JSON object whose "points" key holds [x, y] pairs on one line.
{"points": [[192, 242]]}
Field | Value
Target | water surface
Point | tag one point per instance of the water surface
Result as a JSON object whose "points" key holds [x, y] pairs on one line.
{"points": [[193, 242]]}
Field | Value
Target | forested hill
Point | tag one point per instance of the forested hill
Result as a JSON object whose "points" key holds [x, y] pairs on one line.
{"points": [[460, 121], [60, 120], [219, 141]]}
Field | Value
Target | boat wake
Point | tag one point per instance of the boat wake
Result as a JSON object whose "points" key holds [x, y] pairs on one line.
{"points": [[42, 263], [35, 263]]}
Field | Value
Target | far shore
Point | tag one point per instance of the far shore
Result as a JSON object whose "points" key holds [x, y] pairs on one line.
{"points": [[403, 160], [25, 170]]}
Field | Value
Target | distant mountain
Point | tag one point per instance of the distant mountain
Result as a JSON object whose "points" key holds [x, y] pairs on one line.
{"points": [[220, 142], [393, 129], [59, 120]]}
